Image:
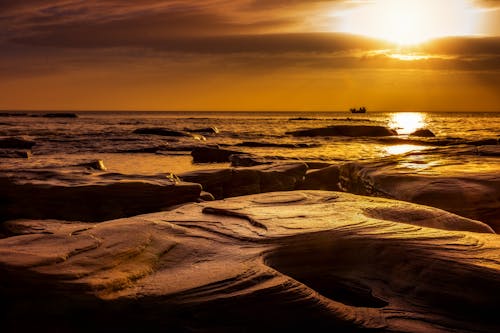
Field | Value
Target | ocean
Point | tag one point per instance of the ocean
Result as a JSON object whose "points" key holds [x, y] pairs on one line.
{"points": [[109, 136]]}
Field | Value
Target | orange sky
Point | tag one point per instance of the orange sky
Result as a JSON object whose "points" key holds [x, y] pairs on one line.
{"points": [[247, 55]]}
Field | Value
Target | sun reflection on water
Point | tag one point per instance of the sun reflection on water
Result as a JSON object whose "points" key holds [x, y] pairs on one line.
{"points": [[407, 122], [401, 149]]}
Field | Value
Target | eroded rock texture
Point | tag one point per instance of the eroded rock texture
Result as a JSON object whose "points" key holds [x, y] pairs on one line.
{"points": [[465, 181], [82, 193], [287, 261]]}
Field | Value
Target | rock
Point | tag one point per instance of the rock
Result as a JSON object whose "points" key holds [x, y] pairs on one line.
{"points": [[13, 114], [247, 160], [493, 151], [317, 165], [326, 179], [423, 132], [307, 260], [484, 142], [206, 130], [60, 115], [77, 195], [166, 132], [301, 118], [16, 143], [224, 183], [212, 181], [206, 196], [10, 153], [345, 130], [212, 155], [93, 165], [457, 183]]}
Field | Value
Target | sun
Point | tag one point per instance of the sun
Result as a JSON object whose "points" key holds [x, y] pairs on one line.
{"points": [[410, 22]]}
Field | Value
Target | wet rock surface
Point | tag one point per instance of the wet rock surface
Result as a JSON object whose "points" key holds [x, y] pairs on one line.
{"points": [[302, 260]]}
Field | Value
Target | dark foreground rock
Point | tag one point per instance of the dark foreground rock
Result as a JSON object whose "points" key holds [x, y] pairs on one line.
{"points": [[212, 154], [346, 130], [16, 143], [277, 262], [79, 194], [466, 181], [231, 182]]}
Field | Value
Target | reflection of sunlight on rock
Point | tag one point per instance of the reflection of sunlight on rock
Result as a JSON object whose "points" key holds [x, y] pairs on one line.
{"points": [[407, 122], [401, 149]]}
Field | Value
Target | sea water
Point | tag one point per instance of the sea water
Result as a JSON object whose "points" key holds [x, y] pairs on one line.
{"points": [[109, 136]]}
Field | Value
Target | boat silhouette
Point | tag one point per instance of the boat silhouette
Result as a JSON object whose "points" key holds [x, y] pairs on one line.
{"points": [[360, 110]]}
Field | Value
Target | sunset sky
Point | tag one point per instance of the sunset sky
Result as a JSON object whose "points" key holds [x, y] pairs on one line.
{"points": [[318, 55]]}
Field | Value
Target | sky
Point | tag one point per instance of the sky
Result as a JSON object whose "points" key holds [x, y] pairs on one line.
{"points": [[262, 55]]}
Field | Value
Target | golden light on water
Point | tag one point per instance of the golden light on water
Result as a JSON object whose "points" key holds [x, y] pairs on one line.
{"points": [[400, 149], [407, 122], [410, 22]]}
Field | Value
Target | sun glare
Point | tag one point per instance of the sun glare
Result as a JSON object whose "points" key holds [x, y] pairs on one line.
{"points": [[410, 22], [407, 122]]}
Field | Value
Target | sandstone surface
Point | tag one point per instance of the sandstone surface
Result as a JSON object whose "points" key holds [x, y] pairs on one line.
{"points": [[288, 261]]}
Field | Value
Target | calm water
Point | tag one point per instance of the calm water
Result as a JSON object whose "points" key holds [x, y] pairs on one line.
{"points": [[108, 135]]}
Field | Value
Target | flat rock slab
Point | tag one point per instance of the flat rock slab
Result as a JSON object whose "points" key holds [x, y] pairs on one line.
{"points": [[80, 193], [465, 181], [282, 261]]}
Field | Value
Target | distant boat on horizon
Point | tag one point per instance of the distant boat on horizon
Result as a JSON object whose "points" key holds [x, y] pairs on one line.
{"points": [[360, 110]]}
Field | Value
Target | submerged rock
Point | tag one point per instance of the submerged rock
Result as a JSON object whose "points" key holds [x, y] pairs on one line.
{"points": [[16, 143], [79, 195], [452, 184], [224, 183], [346, 130], [308, 261], [212, 154]]}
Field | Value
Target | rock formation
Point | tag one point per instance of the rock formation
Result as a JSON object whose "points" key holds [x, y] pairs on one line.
{"points": [[470, 191], [231, 182], [79, 193], [346, 130], [288, 261]]}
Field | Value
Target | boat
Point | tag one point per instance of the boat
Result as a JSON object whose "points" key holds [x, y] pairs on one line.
{"points": [[360, 110]]}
